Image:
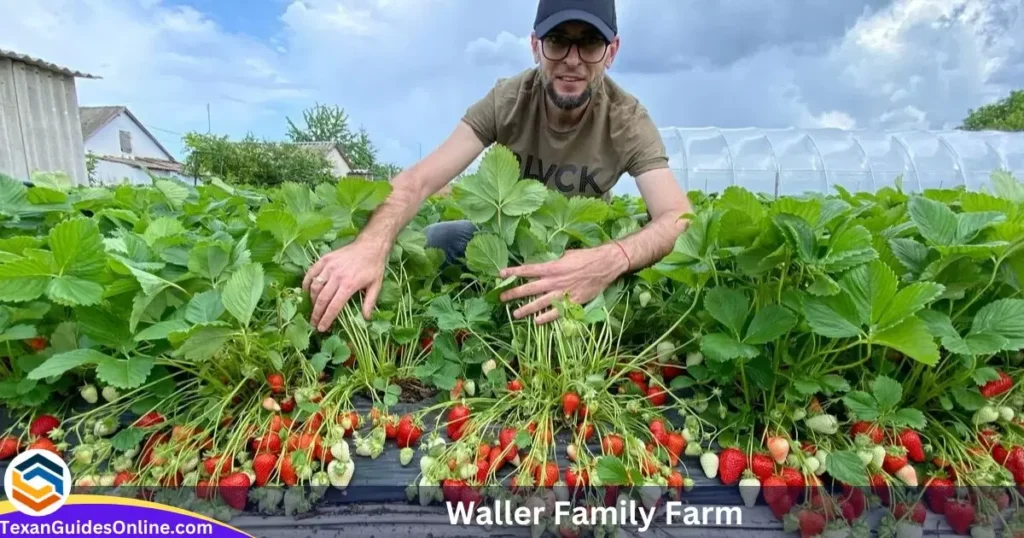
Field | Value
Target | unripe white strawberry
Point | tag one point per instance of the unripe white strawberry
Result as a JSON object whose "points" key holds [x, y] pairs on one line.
{"points": [[709, 462], [89, 393], [908, 475], [750, 486]]}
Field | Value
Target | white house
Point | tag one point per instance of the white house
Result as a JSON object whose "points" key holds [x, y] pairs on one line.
{"points": [[123, 150], [341, 166]]}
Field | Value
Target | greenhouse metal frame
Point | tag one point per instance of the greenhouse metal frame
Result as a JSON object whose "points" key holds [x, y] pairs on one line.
{"points": [[795, 161]]}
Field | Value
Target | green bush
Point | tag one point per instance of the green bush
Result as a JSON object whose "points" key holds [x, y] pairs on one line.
{"points": [[253, 162]]}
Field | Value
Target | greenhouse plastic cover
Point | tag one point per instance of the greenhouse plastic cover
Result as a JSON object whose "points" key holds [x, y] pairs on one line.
{"points": [[796, 161]]}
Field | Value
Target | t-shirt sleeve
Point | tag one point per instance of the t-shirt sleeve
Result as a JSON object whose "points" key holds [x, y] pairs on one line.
{"points": [[645, 150], [481, 116]]}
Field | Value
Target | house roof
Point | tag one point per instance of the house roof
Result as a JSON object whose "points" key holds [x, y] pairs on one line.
{"points": [[26, 59], [326, 147], [144, 163], [95, 117]]}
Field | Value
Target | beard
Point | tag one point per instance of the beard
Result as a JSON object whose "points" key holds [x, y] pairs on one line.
{"points": [[568, 102]]}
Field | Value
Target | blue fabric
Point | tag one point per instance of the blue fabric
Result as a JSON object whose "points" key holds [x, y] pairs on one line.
{"points": [[451, 237]]}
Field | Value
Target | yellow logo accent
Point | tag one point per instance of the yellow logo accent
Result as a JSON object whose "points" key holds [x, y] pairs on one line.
{"points": [[37, 482]]}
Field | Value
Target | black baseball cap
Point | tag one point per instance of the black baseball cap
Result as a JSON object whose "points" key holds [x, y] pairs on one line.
{"points": [[598, 13]]}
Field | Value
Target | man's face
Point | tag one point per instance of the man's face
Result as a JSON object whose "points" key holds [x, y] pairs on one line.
{"points": [[572, 58]]}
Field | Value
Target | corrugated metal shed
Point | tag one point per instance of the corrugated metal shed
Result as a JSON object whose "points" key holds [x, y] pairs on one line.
{"points": [[40, 128]]}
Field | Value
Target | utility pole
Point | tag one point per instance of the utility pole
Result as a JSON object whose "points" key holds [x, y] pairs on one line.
{"points": [[420, 144], [208, 124]]}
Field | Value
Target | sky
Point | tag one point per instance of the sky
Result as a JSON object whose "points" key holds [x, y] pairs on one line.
{"points": [[406, 70]]}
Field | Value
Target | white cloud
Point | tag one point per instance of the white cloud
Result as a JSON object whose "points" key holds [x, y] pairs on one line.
{"points": [[507, 50], [407, 69]]}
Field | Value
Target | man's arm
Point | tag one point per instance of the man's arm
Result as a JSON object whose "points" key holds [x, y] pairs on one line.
{"points": [[666, 203], [338, 275], [414, 185], [584, 274]]}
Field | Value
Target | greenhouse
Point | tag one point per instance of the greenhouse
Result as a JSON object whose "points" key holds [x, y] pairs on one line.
{"points": [[794, 161]]}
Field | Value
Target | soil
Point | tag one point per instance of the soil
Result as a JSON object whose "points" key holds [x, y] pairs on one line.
{"points": [[413, 390]]}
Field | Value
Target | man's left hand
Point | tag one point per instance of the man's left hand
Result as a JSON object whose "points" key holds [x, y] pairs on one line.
{"points": [[582, 274]]}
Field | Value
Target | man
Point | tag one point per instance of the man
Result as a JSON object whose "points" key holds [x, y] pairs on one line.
{"points": [[573, 129]]}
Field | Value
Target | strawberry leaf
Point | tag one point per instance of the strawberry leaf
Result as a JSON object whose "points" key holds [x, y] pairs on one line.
{"points": [[846, 467], [768, 324], [243, 291], [887, 392], [862, 405], [124, 373], [63, 362], [127, 439], [729, 307], [721, 347], [909, 418], [486, 255], [911, 337]]}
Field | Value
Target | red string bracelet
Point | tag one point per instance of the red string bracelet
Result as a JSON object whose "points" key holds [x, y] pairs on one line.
{"points": [[629, 263]]}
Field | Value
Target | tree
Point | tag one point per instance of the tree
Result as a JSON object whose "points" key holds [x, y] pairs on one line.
{"points": [[253, 162], [323, 124], [1004, 115], [330, 124]]}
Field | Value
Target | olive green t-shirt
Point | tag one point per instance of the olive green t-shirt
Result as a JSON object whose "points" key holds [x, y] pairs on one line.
{"points": [[616, 136]]}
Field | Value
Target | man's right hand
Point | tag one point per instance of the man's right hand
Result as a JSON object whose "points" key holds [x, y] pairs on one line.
{"points": [[338, 275]]}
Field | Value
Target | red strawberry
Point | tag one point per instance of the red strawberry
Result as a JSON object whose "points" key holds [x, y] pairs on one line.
{"points": [[867, 428], [234, 489], [848, 511], [917, 512], [781, 506], [408, 432], [576, 476], [151, 418], [390, 427], [671, 371], [895, 459], [38, 343], [270, 442], [471, 497], [43, 425], [545, 476], [613, 444], [44, 444], [811, 523], [959, 515], [795, 480], [1015, 463], [731, 464], [210, 465], [452, 488], [999, 453], [506, 439], [855, 499], [9, 446], [762, 465], [657, 396], [938, 491], [482, 468], [881, 488], [912, 442], [773, 488], [998, 386], [458, 415], [276, 382], [676, 444], [588, 431], [637, 377], [205, 490], [263, 466], [123, 477], [570, 403], [287, 471], [515, 385], [288, 405], [675, 481]]}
